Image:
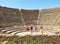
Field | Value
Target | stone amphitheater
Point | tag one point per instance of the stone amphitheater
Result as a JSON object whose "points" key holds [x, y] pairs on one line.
{"points": [[12, 21]]}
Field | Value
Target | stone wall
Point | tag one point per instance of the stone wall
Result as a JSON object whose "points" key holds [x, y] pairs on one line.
{"points": [[55, 39]]}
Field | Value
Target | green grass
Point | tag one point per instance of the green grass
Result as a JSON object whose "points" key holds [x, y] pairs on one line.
{"points": [[11, 42], [31, 42]]}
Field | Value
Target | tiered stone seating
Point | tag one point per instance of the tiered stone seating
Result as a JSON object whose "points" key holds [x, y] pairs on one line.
{"points": [[10, 17], [11, 30], [1, 18], [48, 16], [30, 16], [57, 23], [47, 19]]}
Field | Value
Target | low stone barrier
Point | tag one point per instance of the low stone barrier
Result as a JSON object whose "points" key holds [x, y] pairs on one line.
{"points": [[55, 39]]}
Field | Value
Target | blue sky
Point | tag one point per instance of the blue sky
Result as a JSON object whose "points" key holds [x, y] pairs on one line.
{"points": [[30, 4]]}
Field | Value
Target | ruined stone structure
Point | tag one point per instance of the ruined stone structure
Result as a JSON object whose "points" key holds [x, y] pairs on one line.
{"points": [[16, 17], [12, 17]]}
